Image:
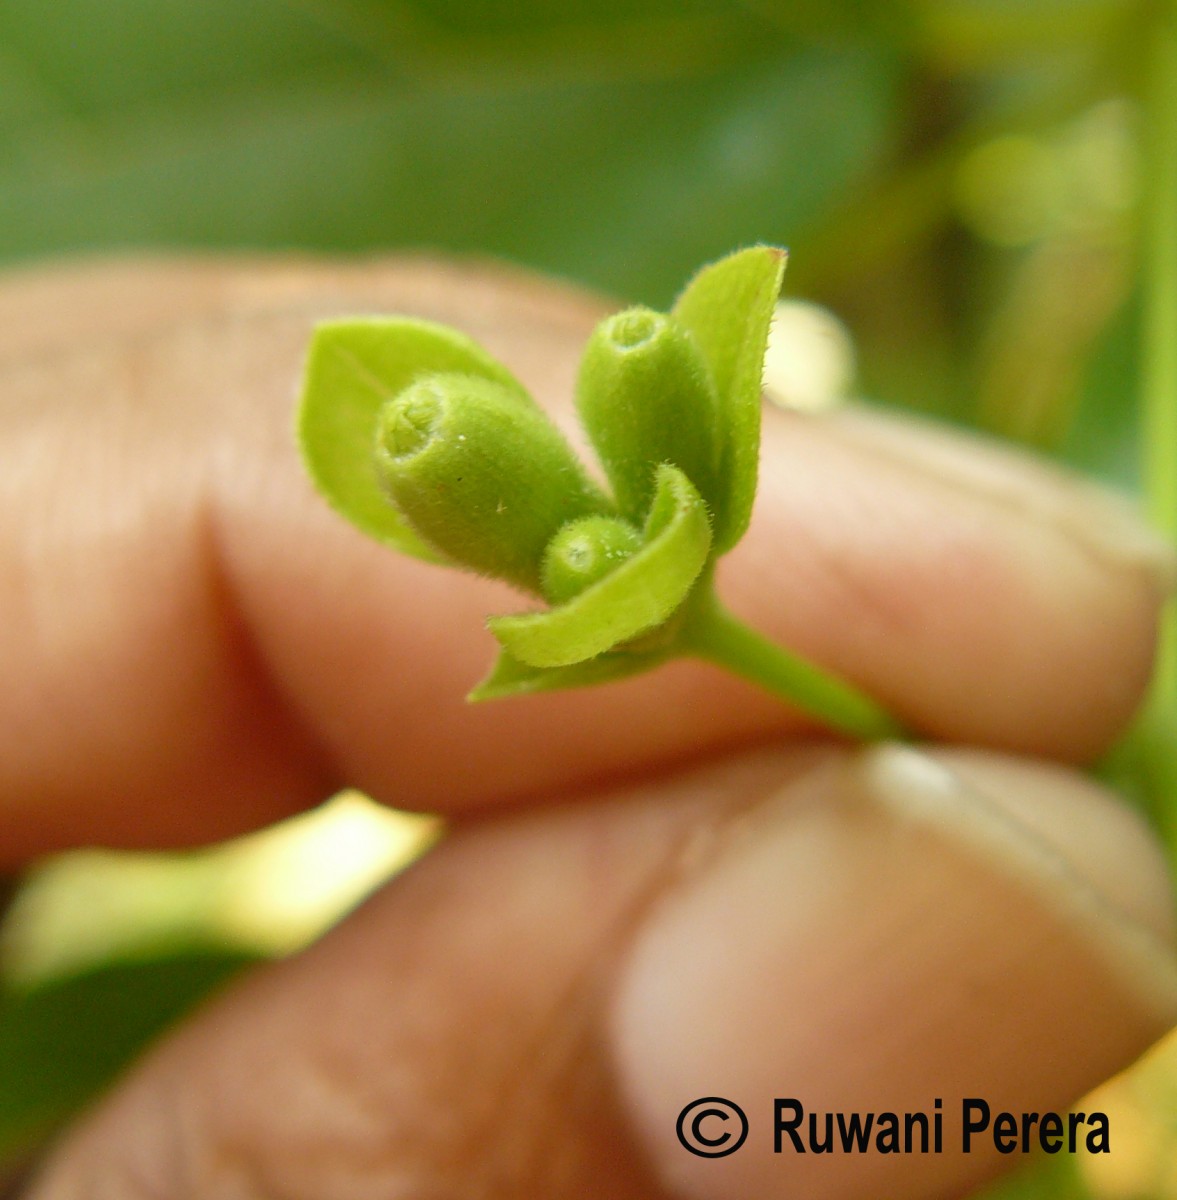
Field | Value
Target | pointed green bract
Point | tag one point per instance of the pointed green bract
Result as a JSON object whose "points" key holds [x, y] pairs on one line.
{"points": [[728, 308], [510, 677], [479, 471], [638, 596], [353, 367], [645, 397]]}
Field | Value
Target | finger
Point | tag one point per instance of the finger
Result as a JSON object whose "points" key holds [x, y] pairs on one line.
{"points": [[46, 310], [193, 643], [71, 305], [528, 1010]]}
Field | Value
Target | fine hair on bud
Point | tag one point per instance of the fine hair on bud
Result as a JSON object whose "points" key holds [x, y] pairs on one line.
{"points": [[481, 474], [645, 397], [584, 552]]}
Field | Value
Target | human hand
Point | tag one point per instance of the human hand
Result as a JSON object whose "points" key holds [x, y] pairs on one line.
{"points": [[662, 890]]}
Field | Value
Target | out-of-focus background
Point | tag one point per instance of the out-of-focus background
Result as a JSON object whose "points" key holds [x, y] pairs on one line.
{"points": [[960, 182]]}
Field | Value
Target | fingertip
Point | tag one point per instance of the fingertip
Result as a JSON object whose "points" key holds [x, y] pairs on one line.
{"points": [[891, 935]]}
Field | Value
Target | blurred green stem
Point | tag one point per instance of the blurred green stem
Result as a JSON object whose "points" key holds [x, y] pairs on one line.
{"points": [[1144, 763], [1159, 376], [1159, 383]]}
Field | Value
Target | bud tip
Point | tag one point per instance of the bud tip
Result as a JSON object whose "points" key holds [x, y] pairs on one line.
{"points": [[408, 420]]}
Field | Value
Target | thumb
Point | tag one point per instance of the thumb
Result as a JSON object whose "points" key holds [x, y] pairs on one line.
{"points": [[528, 1010]]}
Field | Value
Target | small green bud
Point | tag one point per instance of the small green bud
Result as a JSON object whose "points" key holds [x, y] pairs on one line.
{"points": [[645, 397], [583, 552], [481, 473]]}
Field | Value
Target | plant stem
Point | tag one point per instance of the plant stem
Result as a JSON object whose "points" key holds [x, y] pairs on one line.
{"points": [[1159, 352], [712, 633]]}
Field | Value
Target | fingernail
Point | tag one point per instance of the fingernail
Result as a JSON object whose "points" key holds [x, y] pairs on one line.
{"points": [[1103, 522], [892, 933]]}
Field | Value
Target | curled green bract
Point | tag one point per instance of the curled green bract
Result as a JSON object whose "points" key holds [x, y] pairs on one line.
{"points": [[636, 596], [424, 441]]}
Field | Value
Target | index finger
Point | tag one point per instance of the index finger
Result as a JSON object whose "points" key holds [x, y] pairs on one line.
{"points": [[193, 644]]}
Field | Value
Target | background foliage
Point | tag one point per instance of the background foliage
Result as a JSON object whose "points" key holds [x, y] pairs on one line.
{"points": [[959, 180]]}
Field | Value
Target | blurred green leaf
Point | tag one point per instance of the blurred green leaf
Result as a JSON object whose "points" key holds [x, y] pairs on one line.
{"points": [[269, 125], [1046, 1177], [1104, 436], [62, 1042], [88, 62]]}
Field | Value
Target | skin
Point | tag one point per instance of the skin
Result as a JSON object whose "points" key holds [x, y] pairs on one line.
{"points": [[194, 645]]}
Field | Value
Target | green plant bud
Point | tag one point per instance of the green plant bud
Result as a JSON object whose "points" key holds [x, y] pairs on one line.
{"points": [[481, 473], [583, 552], [645, 397]]}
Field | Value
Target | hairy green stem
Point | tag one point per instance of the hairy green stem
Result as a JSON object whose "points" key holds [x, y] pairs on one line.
{"points": [[712, 633]]}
